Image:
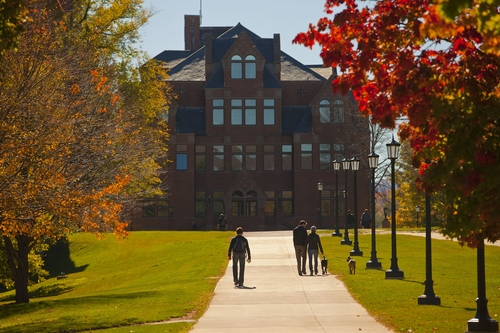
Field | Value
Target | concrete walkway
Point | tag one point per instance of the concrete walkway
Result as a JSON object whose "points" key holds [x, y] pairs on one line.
{"points": [[282, 301]]}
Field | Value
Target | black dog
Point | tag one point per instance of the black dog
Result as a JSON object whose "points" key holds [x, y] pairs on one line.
{"points": [[324, 265]]}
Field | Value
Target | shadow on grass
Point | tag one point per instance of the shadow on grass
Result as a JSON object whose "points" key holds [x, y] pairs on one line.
{"points": [[11, 311], [57, 259]]}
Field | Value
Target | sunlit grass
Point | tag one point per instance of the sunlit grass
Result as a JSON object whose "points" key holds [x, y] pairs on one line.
{"points": [[395, 302]]}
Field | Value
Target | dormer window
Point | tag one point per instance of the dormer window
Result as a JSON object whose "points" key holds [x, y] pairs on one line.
{"points": [[236, 67], [249, 66]]}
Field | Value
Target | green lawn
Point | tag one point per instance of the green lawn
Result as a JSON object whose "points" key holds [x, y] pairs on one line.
{"points": [[149, 277], [394, 302], [156, 276]]}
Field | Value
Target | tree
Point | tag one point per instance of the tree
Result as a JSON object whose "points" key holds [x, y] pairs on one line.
{"points": [[400, 58], [80, 131], [12, 15]]}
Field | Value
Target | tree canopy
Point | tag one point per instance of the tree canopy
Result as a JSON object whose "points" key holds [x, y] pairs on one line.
{"points": [[403, 58], [82, 127]]}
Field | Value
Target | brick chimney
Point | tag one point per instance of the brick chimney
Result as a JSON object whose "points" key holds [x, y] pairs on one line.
{"points": [[191, 32]]}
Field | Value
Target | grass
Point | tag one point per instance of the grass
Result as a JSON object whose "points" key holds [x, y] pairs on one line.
{"points": [[395, 302], [154, 277], [149, 277]]}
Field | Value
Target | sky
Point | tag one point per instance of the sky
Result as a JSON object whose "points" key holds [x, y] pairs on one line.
{"points": [[165, 30]]}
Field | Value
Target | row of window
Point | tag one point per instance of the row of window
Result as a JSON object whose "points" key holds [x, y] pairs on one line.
{"points": [[245, 156], [243, 68], [245, 204], [244, 112]]}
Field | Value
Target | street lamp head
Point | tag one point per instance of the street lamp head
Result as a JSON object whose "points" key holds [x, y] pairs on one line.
{"points": [[385, 211], [393, 149], [355, 163], [320, 186], [373, 160], [336, 165], [417, 208], [346, 164]]}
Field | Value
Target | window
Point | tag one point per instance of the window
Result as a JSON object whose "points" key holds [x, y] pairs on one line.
{"points": [[236, 112], [181, 158], [218, 158], [324, 112], [251, 157], [155, 208], [326, 203], [236, 67], [250, 112], [218, 112], [306, 156], [287, 203], [250, 67], [269, 157], [148, 210], [237, 204], [200, 158], [270, 206], [286, 157], [338, 112], [324, 156], [236, 157], [268, 111], [201, 204], [218, 203], [338, 151]]}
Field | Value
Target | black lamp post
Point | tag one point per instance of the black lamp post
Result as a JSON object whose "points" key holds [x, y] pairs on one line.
{"points": [[336, 167], [482, 322], [393, 153], [355, 167], [345, 165], [429, 297], [373, 263], [417, 209], [320, 188]]}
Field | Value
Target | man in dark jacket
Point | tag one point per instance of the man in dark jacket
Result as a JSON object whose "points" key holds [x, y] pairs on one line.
{"points": [[239, 248], [299, 242], [313, 243]]}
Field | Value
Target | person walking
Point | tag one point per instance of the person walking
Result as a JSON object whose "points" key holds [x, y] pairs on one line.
{"points": [[239, 249], [350, 220], [366, 219], [299, 242], [313, 243], [221, 225]]}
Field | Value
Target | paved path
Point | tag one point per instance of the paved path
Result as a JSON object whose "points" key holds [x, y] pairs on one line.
{"points": [[283, 301]]}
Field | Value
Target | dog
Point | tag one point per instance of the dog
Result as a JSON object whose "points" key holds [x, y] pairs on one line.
{"points": [[352, 265], [324, 265]]}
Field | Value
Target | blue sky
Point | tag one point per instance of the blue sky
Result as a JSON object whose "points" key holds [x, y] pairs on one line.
{"points": [[165, 30]]}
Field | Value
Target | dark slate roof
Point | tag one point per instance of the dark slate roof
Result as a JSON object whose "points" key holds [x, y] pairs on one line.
{"points": [[190, 120], [294, 70], [296, 119], [235, 31], [217, 79], [270, 81], [190, 69]]}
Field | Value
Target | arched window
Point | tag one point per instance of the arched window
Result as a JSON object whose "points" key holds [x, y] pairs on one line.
{"points": [[338, 112], [250, 67], [237, 204], [236, 67], [251, 203], [324, 112]]}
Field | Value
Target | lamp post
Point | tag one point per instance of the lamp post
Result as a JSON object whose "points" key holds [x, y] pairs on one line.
{"points": [[393, 153], [482, 322], [336, 167], [373, 263], [345, 165], [417, 209], [355, 167], [429, 297], [320, 188]]}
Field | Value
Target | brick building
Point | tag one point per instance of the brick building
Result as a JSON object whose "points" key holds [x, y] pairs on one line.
{"points": [[253, 131]]}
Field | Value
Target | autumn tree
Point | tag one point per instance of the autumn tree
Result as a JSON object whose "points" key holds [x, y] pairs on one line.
{"points": [[12, 15], [401, 58], [81, 126]]}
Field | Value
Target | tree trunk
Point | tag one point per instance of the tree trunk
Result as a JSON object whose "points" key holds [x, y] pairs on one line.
{"points": [[18, 264]]}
